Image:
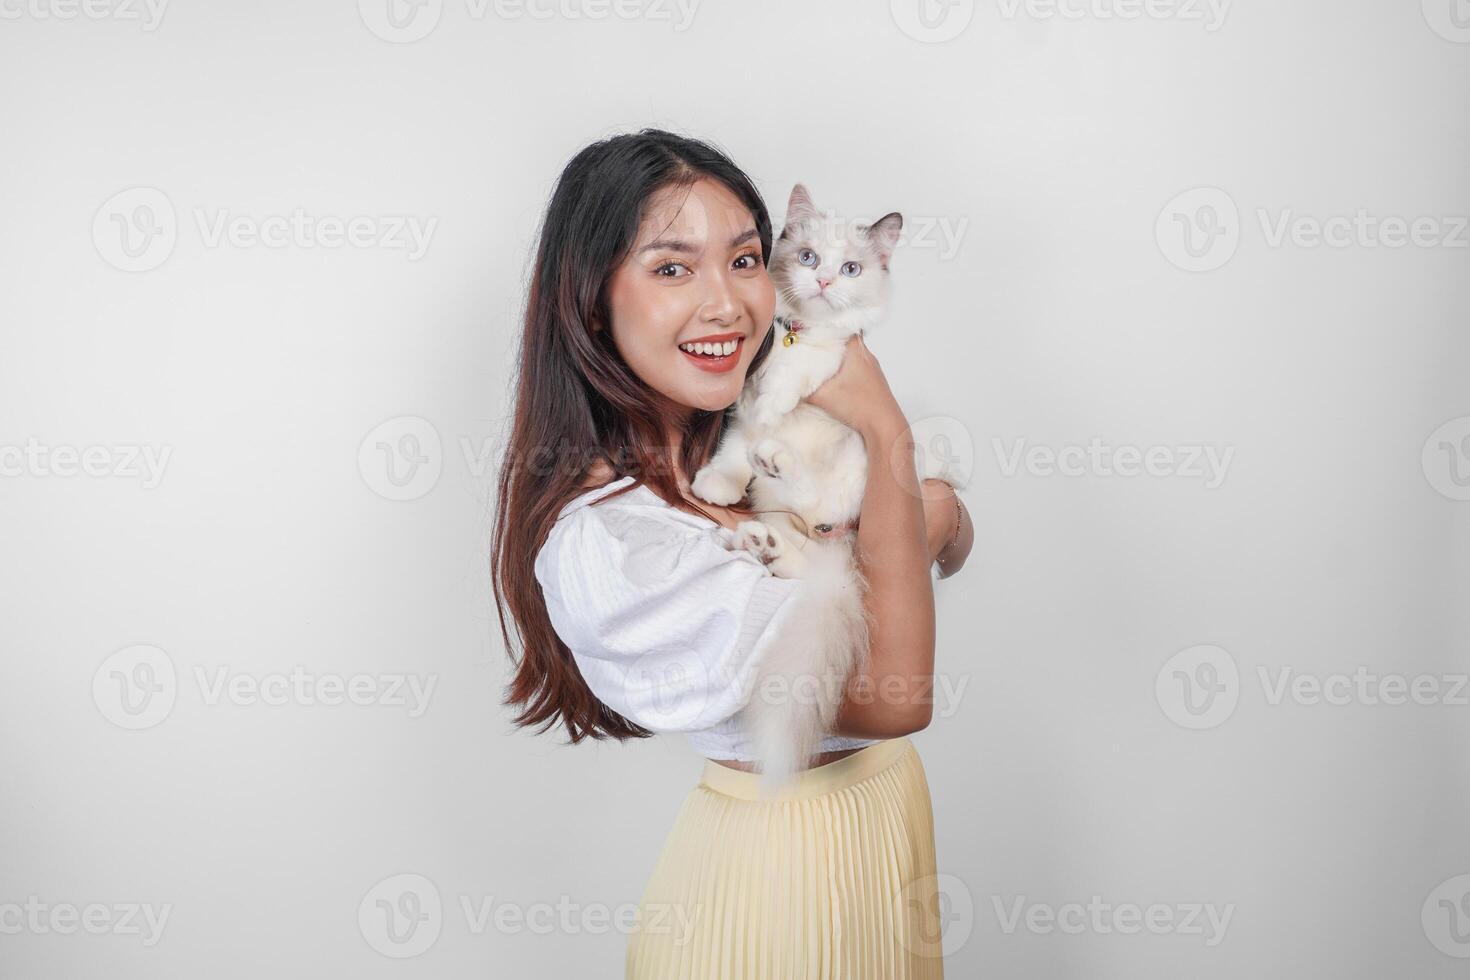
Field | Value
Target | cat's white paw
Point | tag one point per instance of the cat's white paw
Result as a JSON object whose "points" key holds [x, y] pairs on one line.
{"points": [[758, 539], [775, 551], [717, 487], [773, 458]]}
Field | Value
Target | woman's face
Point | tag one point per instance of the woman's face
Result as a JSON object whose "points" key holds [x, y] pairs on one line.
{"points": [[695, 273]]}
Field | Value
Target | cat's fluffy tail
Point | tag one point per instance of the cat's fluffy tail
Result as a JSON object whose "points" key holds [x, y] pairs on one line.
{"points": [[801, 682]]}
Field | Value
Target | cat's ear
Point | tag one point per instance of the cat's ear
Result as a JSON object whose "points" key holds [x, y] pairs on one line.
{"points": [[883, 234], [799, 208]]}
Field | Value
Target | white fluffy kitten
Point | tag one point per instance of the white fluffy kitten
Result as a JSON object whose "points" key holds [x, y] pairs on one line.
{"points": [[831, 278]]}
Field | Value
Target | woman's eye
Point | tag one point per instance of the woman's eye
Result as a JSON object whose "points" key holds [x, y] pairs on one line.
{"points": [[669, 265], [851, 269], [754, 258], [806, 257]]}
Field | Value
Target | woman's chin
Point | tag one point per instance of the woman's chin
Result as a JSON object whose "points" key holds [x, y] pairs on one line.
{"points": [[713, 400]]}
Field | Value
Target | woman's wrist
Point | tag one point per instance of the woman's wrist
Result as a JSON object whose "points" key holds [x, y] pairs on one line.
{"points": [[884, 428], [941, 515]]}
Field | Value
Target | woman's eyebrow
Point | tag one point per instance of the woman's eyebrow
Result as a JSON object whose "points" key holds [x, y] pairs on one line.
{"points": [[679, 245]]}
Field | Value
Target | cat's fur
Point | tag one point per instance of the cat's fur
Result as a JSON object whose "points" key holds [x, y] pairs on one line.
{"points": [[792, 456]]}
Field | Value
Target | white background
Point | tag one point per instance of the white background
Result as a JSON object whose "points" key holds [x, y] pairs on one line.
{"points": [[1054, 146]]}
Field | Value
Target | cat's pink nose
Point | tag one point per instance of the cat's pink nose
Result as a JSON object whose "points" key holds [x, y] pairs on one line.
{"points": [[823, 283]]}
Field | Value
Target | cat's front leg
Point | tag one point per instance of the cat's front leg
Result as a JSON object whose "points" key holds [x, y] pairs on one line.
{"points": [[774, 405], [722, 481]]}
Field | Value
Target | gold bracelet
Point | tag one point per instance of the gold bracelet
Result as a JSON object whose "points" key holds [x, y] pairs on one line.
{"points": [[959, 516]]}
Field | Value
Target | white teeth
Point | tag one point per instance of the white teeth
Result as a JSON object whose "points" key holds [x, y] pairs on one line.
{"points": [[722, 349]]}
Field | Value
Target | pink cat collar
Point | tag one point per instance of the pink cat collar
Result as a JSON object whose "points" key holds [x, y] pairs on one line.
{"points": [[837, 530], [793, 327]]}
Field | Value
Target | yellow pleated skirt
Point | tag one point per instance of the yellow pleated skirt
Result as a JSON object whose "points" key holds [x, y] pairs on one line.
{"points": [[833, 879]]}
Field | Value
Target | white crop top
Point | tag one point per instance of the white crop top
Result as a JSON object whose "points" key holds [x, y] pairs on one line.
{"points": [[665, 624]]}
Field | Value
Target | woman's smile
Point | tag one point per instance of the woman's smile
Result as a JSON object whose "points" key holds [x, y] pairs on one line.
{"points": [[717, 356]]}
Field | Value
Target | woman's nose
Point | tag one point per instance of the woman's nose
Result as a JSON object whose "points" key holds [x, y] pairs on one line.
{"points": [[720, 303]]}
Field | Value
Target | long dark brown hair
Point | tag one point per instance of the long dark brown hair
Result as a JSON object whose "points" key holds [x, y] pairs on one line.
{"points": [[577, 401]]}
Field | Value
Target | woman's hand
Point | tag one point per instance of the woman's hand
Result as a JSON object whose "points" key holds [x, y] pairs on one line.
{"points": [[942, 514], [858, 394]]}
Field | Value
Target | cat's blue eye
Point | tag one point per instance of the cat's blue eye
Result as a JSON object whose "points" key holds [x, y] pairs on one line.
{"points": [[806, 257], [853, 269]]}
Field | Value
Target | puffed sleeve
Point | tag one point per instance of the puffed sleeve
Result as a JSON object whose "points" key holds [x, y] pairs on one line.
{"points": [[666, 625]]}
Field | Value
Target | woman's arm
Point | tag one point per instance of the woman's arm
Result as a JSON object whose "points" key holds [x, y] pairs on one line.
{"points": [[893, 694]]}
